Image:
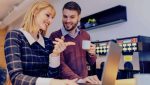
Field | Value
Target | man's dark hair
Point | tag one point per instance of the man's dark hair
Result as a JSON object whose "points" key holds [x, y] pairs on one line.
{"points": [[71, 5]]}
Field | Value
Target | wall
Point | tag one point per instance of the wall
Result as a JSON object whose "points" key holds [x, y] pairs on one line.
{"points": [[16, 24], [2, 57], [137, 14]]}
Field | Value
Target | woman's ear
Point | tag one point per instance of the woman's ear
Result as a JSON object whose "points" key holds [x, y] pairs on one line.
{"points": [[36, 12]]}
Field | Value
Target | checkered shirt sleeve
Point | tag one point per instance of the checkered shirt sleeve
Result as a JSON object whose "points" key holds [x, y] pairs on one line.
{"points": [[13, 53]]}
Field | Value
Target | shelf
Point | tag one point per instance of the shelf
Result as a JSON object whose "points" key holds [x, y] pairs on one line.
{"points": [[107, 17]]}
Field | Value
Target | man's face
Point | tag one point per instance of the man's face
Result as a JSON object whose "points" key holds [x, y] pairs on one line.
{"points": [[70, 19]]}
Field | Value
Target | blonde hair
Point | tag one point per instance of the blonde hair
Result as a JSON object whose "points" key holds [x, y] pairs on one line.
{"points": [[28, 23]]}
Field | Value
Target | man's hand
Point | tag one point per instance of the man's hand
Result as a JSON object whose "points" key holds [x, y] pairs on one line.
{"points": [[92, 79], [92, 49]]}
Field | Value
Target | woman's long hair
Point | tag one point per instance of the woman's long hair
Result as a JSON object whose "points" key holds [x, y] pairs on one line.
{"points": [[28, 23]]}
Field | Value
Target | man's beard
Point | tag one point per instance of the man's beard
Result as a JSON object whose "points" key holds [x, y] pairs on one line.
{"points": [[73, 27]]}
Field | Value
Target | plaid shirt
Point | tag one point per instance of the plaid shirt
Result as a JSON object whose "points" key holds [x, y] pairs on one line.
{"points": [[27, 62]]}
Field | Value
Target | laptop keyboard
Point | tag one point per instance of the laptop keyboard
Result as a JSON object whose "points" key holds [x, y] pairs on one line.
{"points": [[88, 84]]}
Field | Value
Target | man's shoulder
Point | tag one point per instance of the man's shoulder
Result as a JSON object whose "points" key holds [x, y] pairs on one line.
{"points": [[56, 34], [84, 32]]}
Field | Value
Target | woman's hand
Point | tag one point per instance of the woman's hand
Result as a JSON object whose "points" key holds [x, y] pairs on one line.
{"points": [[63, 82], [60, 45]]}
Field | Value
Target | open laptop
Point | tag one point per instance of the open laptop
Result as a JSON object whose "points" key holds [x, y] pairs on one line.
{"points": [[111, 65]]}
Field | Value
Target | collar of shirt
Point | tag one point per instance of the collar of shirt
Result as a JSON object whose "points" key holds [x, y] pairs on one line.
{"points": [[64, 32], [31, 40]]}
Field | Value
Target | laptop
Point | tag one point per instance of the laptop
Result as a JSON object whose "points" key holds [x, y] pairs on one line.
{"points": [[111, 65]]}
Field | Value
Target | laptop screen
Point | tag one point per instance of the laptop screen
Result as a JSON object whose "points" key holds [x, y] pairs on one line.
{"points": [[112, 64]]}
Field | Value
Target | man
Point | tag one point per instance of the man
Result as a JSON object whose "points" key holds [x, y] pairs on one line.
{"points": [[74, 58]]}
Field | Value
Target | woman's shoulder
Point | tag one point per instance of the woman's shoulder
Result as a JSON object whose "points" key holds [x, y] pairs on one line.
{"points": [[14, 32], [13, 35]]}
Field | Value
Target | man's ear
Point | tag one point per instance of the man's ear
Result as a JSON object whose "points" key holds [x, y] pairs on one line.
{"points": [[79, 18]]}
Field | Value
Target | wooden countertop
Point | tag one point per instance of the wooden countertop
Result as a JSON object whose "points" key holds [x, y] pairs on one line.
{"points": [[125, 82]]}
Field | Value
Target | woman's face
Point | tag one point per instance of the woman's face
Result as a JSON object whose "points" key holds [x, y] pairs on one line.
{"points": [[43, 19]]}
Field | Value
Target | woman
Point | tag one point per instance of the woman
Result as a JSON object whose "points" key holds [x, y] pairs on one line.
{"points": [[31, 58]]}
